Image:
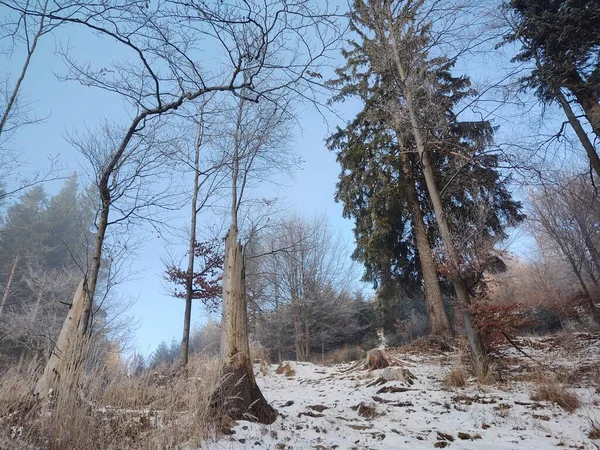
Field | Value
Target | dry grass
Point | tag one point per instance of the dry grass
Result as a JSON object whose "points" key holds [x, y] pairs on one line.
{"points": [[595, 431], [432, 345], [456, 378], [258, 352], [549, 388], [156, 410], [345, 354], [488, 375]]}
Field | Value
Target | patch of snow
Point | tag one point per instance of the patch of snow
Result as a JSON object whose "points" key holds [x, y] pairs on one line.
{"points": [[349, 411]]}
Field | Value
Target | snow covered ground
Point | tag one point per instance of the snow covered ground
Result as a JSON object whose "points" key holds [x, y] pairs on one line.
{"points": [[338, 407]]}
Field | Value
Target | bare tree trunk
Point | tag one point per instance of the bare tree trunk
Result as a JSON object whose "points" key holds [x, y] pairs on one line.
{"points": [[586, 99], [577, 270], [38, 303], [189, 280], [8, 284], [279, 324], [306, 340], [438, 317], [478, 352], [70, 352], [55, 365], [237, 394], [579, 131], [298, 339]]}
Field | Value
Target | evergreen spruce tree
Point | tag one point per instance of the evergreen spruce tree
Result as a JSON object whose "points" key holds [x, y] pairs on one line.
{"points": [[407, 154]]}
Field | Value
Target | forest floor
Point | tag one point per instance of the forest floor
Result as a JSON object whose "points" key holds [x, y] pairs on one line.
{"points": [[343, 406]]}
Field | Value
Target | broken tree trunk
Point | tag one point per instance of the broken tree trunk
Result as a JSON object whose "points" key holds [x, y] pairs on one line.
{"points": [[237, 395], [378, 359], [56, 364]]}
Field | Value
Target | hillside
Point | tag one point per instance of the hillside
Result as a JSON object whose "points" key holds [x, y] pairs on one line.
{"points": [[344, 407]]}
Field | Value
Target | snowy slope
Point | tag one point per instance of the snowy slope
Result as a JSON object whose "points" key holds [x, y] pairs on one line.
{"points": [[424, 415]]}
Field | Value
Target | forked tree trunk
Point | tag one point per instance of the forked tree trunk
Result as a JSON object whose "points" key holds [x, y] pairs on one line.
{"points": [[438, 317], [237, 394]]}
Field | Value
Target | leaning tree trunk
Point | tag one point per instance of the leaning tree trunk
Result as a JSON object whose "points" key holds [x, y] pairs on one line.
{"points": [[478, 351], [65, 344], [579, 131], [438, 318], [69, 354], [237, 395], [587, 99]]}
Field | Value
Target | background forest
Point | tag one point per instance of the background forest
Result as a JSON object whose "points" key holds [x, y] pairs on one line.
{"points": [[465, 136]]}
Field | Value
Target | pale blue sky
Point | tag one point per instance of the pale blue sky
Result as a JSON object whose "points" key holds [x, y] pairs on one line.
{"points": [[69, 107]]}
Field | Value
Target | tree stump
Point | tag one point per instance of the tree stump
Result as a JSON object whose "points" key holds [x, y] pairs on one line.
{"points": [[378, 359]]}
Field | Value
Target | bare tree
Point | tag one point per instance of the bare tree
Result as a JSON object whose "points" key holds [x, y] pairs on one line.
{"points": [[166, 41], [19, 29], [208, 180], [258, 133], [308, 283], [568, 213], [20, 32]]}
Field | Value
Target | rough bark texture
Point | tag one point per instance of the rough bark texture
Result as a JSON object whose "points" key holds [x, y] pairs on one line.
{"points": [[56, 363], [438, 318], [478, 352], [237, 396]]}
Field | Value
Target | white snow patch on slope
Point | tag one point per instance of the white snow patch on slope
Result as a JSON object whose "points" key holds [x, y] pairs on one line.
{"points": [[413, 419]]}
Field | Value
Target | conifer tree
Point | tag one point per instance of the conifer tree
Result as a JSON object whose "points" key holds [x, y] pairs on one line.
{"points": [[408, 152]]}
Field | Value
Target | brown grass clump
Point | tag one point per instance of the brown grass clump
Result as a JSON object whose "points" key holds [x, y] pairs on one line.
{"points": [[488, 376], [551, 390], [456, 378], [595, 431], [430, 345]]}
